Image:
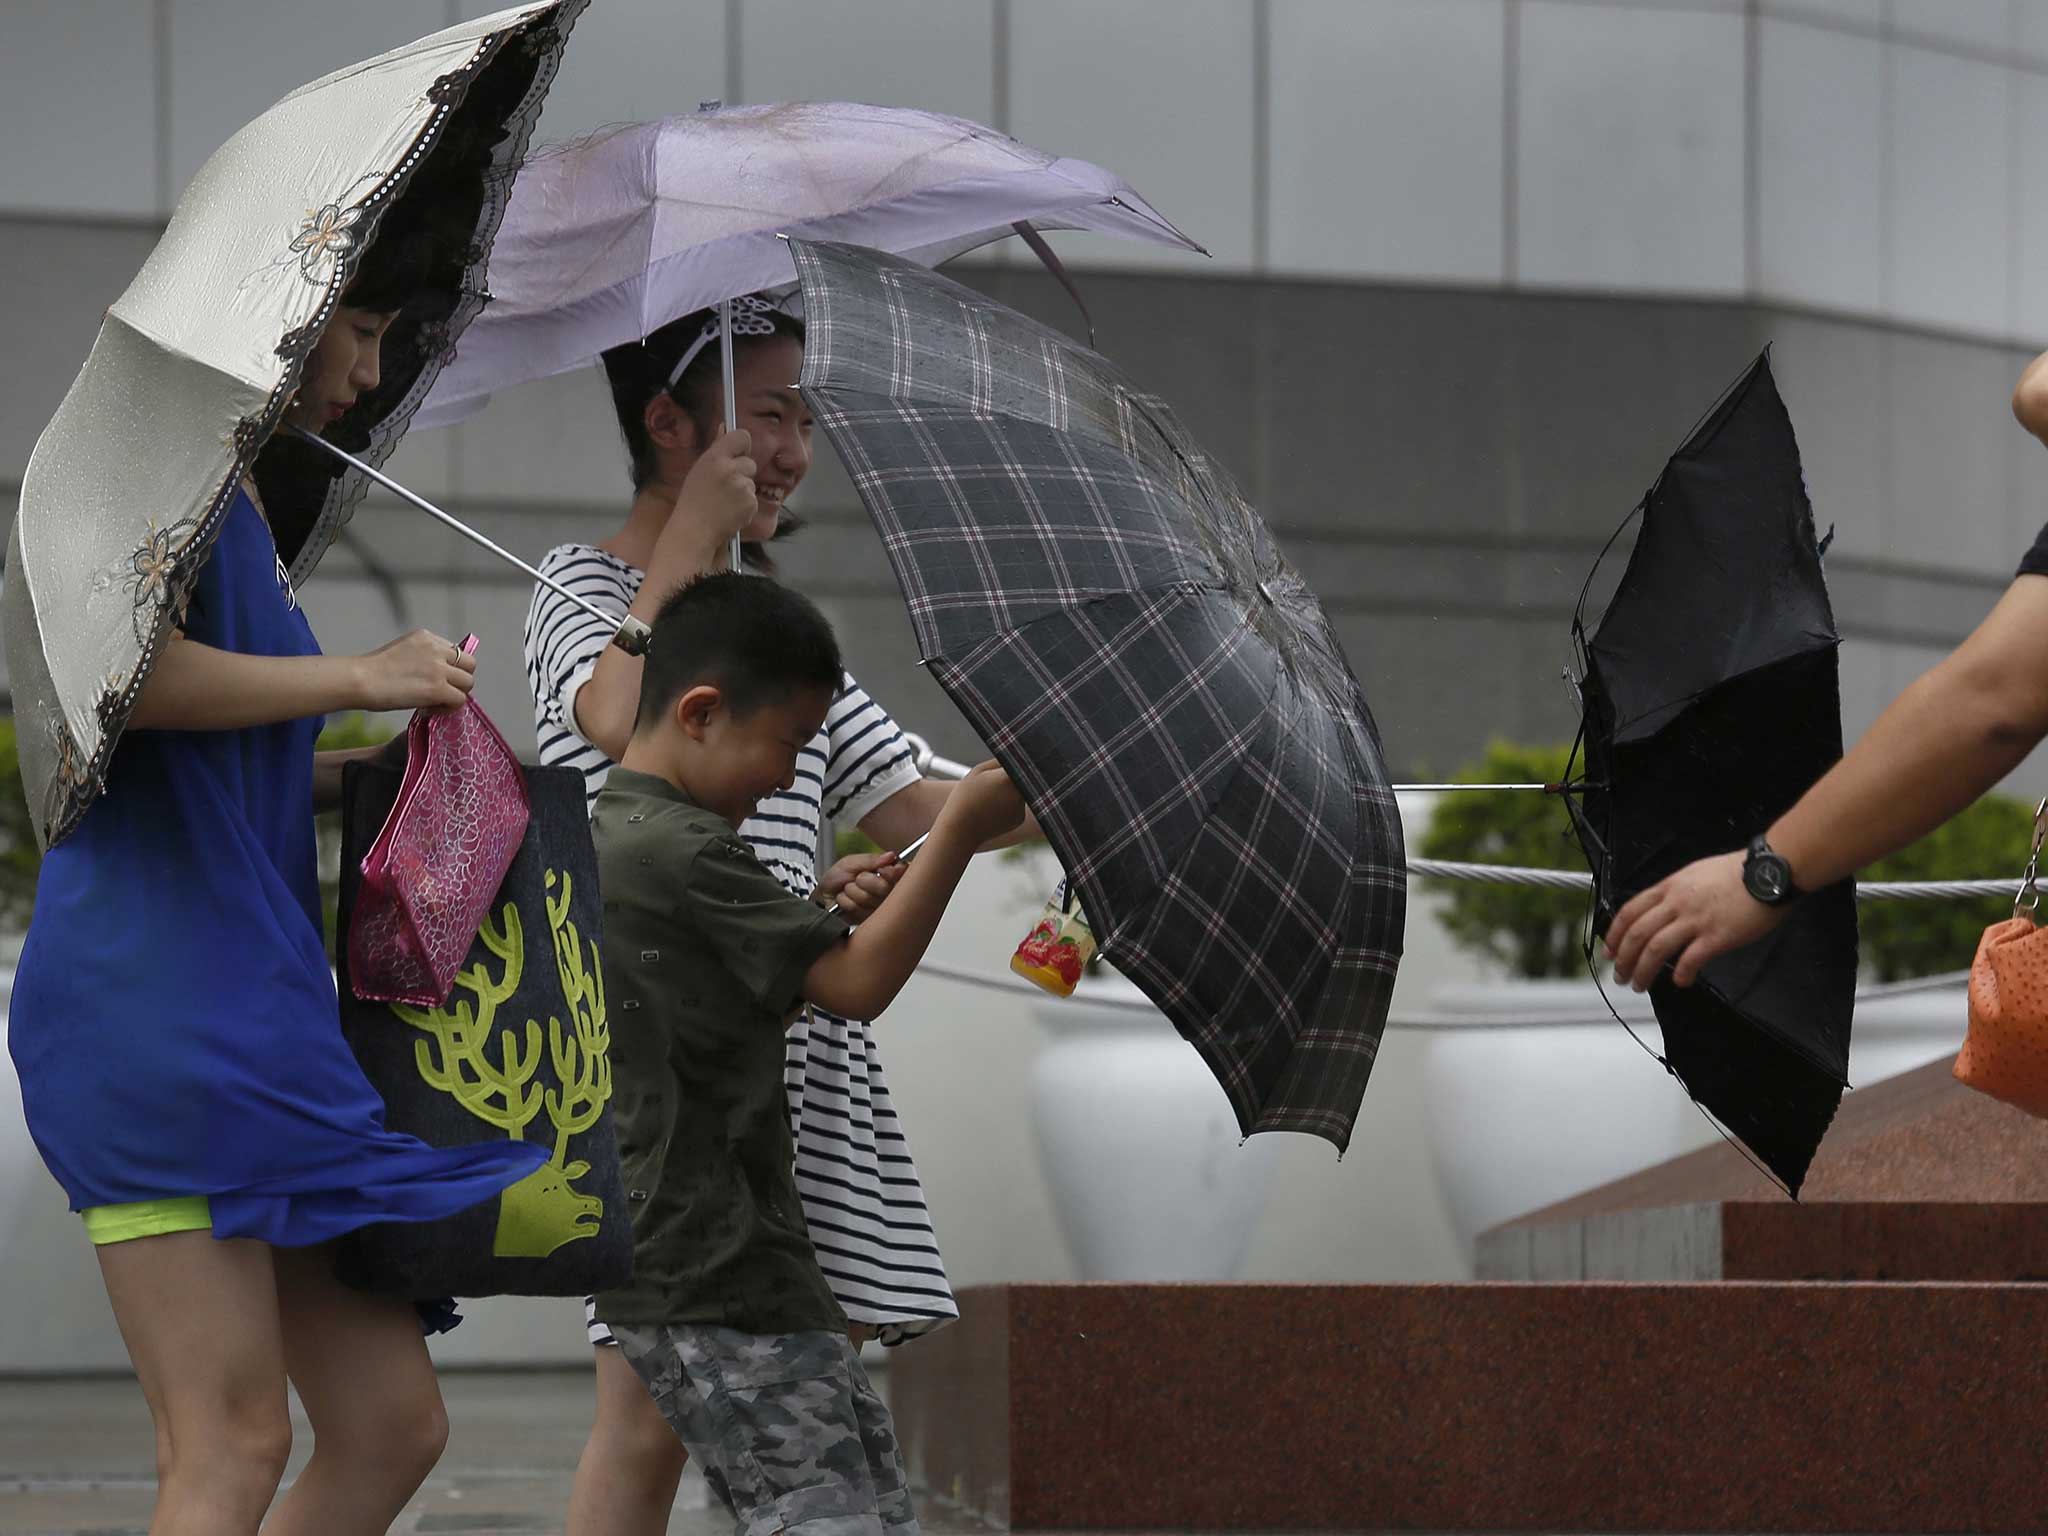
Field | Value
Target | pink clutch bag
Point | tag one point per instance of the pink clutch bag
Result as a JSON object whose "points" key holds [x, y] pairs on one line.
{"points": [[436, 866]]}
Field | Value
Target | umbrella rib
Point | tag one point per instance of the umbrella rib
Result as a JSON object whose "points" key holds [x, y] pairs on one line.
{"points": [[1586, 588], [1665, 1062], [629, 634]]}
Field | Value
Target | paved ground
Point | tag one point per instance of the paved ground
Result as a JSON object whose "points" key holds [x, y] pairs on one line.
{"points": [[75, 1458]]}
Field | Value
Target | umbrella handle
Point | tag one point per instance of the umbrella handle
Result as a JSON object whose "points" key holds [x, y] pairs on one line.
{"points": [[629, 634], [930, 764]]}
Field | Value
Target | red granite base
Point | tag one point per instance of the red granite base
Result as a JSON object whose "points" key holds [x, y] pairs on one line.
{"points": [[1755, 1240], [1589, 1408], [1919, 1179]]}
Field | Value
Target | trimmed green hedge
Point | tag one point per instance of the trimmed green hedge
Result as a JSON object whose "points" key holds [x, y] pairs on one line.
{"points": [[1525, 929], [1902, 939]]}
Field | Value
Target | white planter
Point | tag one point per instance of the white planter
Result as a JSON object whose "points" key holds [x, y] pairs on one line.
{"points": [[1148, 1173], [57, 1317], [1533, 1092], [1895, 1034]]}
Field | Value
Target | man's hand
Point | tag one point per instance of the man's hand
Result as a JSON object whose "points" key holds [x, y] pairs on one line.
{"points": [[858, 883], [1685, 920]]}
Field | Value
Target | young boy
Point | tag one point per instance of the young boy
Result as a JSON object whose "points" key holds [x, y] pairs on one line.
{"points": [[728, 1319]]}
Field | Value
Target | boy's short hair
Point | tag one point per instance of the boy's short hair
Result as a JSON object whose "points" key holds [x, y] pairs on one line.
{"points": [[753, 639]]}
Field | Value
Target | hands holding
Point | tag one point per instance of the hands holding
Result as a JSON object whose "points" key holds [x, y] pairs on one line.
{"points": [[983, 806], [420, 670], [716, 503], [858, 882], [1685, 920]]}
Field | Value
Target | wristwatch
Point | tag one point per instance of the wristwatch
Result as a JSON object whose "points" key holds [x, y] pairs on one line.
{"points": [[1766, 875]]}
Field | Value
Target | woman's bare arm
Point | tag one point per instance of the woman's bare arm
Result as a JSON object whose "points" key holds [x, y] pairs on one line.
{"points": [[693, 542], [198, 687], [1947, 739]]}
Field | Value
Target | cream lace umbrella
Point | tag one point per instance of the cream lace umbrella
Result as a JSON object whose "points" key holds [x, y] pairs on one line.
{"points": [[196, 362]]}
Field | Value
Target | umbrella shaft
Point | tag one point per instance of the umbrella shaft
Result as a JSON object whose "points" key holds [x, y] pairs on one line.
{"points": [[1437, 789], [630, 634], [932, 766], [732, 405]]}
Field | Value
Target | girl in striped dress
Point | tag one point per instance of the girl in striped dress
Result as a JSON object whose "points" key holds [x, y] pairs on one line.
{"points": [[694, 488]]}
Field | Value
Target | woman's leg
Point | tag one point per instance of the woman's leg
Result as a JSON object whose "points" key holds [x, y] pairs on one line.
{"points": [[200, 1319], [626, 1479], [362, 1370]]}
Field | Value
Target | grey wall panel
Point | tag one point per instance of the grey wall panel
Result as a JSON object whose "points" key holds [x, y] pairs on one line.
{"points": [[1445, 465], [58, 279], [1384, 411], [1194, 340], [78, 107]]}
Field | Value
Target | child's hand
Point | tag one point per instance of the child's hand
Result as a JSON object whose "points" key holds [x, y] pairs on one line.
{"points": [[858, 882], [987, 802], [415, 671]]}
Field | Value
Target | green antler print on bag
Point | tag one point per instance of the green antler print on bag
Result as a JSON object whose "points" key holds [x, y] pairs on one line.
{"points": [[544, 1210], [520, 1049]]}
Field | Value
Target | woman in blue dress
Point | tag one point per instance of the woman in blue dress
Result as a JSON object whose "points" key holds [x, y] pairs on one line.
{"points": [[175, 1028]]}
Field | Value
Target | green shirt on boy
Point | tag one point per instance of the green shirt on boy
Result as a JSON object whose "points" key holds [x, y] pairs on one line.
{"points": [[705, 954]]}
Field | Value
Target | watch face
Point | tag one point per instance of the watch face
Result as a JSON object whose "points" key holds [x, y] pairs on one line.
{"points": [[1766, 877]]}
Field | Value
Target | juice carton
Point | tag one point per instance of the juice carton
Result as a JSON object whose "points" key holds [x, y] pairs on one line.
{"points": [[1054, 953]]}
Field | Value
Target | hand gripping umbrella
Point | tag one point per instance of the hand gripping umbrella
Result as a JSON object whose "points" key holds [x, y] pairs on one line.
{"points": [[196, 362], [1711, 704], [1115, 621]]}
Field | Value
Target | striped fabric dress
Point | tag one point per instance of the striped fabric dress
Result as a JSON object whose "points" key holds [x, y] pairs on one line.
{"points": [[862, 1199]]}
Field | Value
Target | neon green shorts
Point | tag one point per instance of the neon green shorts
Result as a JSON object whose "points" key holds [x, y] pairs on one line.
{"points": [[146, 1218]]}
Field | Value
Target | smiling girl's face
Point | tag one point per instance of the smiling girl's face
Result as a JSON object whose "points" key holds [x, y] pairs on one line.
{"points": [[345, 361], [775, 416]]}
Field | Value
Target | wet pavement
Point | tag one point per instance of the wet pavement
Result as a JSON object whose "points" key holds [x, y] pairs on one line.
{"points": [[76, 1460], [76, 1457]]}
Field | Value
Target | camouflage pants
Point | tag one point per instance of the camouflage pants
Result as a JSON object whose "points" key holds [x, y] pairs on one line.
{"points": [[786, 1427]]}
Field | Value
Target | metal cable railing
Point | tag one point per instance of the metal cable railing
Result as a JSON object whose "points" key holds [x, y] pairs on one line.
{"points": [[933, 766]]}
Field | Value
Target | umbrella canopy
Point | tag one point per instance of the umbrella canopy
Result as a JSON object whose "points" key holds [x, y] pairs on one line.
{"points": [[1114, 619], [1711, 704], [196, 362], [612, 237]]}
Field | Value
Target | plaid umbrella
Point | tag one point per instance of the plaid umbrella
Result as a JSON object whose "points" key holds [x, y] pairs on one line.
{"points": [[1114, 619]]}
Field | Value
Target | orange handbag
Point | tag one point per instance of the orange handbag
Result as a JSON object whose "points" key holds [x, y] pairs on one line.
{"points": [[2005, 1053]]}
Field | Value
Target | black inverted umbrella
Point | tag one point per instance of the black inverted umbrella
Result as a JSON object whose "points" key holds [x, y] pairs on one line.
{"points": [[1114, 620], [1711, 704]]}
